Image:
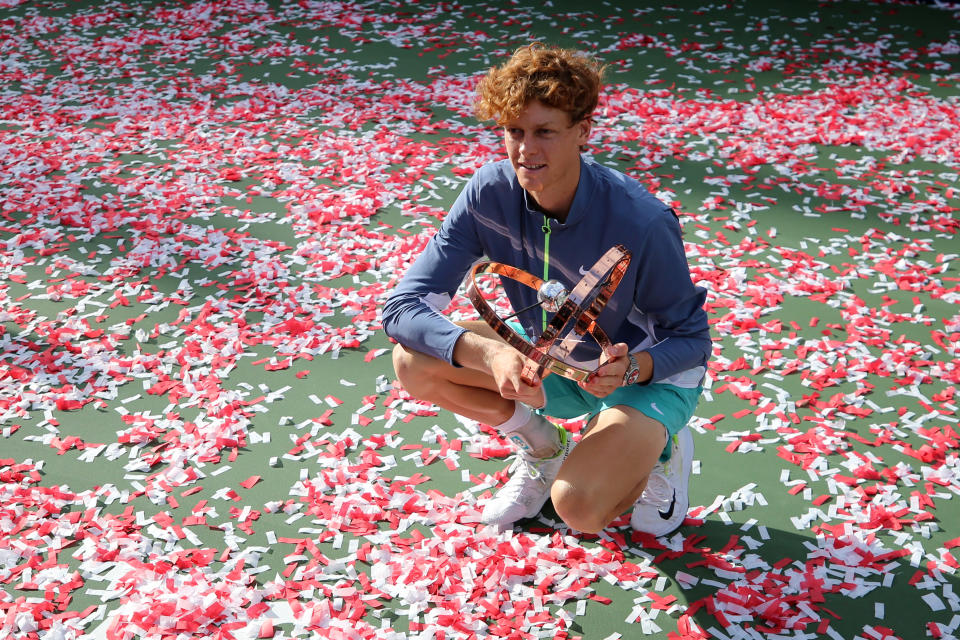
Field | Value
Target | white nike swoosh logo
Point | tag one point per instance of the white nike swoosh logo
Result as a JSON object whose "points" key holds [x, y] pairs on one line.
{"points": [[583, 271], [655, 408]]}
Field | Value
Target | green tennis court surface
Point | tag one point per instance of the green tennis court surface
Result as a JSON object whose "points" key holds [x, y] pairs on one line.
{"points": [[203, 205]]}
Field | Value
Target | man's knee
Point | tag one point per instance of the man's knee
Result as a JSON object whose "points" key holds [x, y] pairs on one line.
{"points": [[401, 361], [414, 370], [578, 507], [405, 364]]}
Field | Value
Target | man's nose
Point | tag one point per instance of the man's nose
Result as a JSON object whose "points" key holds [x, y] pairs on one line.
{"points": [[527, 145]]}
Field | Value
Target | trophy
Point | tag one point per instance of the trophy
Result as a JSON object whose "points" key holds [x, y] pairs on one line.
{"points": [[575, 314]]}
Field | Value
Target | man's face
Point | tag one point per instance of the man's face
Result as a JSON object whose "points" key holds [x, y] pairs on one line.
{"points": [[544, 148]]}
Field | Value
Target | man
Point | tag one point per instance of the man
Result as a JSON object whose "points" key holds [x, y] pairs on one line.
{"points": [[548, 211]]}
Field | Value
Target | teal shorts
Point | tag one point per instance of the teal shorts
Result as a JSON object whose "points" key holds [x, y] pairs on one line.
{"points": [[668, 404]]}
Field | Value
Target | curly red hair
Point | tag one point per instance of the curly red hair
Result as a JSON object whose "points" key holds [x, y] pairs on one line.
{"points": [[559, 78]]}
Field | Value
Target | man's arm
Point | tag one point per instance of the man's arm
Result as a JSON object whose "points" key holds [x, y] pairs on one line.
{"points": [[412, 314], [664, 291], [477, 352]]}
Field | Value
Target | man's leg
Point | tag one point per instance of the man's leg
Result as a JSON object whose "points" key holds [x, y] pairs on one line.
{"points": [[473, 394], [608, 470]]}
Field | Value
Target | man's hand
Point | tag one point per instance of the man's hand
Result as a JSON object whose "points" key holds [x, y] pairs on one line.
{"points": [[609, 376], [502, 362], [506, 365]]}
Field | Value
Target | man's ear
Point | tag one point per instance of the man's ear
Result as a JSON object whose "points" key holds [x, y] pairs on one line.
{"points": [[584, 127]]}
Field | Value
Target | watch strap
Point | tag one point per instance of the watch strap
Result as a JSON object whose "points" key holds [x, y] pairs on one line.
{"points": [[632, 372]]}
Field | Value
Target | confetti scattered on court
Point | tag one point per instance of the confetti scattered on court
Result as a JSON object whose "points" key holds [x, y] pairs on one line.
{"points": [[203, 206]]}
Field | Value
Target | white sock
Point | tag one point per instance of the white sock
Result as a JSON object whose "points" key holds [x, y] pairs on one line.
{"points": [[521, 416], [531, 433]]}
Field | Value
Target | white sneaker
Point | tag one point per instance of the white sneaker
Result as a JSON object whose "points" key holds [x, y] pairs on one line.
{"points": [[528, 488], [663, 504]]}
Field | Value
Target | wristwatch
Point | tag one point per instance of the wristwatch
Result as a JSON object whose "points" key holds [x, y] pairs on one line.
{"points": [[632, 374]]}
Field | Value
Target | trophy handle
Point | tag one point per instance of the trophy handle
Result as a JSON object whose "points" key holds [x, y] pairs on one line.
{"points": [[582, 306]]}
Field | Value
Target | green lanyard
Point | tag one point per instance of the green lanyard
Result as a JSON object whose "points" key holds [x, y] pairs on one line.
{"points": [[546, 260]]}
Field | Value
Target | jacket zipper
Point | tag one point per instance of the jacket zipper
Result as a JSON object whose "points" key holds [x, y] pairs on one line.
{"points": [[546, 260]]}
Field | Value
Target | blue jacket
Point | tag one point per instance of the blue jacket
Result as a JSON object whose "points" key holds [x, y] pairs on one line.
{"points": [[656, 308]]}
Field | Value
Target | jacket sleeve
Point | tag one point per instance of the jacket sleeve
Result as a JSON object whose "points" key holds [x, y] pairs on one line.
{"points": [[412, 313], [665, 293]]}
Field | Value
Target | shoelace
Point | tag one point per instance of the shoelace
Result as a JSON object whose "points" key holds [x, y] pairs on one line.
{"points": [[520, 470], [658, 490], [529, 466]]}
